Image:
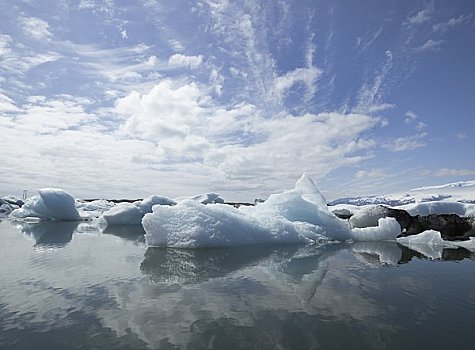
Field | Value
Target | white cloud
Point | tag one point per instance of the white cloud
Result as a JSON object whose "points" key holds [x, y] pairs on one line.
{"points": [[307, 76], [422, 16], [5, 41], [430, 45], [369, 93], [410, 117], [374, 108], [446, 172], [461, 136], [183, 61], [407, 143], [420, 126], [35, 27], [373, 173], [7, 104], [240, 143], [453, 22]]}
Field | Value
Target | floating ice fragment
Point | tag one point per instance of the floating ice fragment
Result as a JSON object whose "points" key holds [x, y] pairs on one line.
{"points": [[132, 213], [52, 204]]}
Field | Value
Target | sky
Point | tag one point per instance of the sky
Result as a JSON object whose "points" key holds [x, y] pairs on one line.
{"points": [[116, 99]]}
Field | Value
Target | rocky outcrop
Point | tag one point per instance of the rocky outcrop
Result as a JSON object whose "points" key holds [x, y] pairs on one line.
{"points": [[451, 226]]}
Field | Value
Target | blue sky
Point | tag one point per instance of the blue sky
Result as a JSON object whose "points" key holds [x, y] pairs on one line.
{"points": [[129, 98]]}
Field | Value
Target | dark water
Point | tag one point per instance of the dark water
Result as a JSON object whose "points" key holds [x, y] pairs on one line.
{"points": [[68, 286]]}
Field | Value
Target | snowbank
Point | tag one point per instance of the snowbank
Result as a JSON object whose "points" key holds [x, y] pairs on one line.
{"points": [[299, 215], [52, 204]]}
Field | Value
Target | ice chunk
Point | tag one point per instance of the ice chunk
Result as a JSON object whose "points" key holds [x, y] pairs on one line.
{"points": [[6, 207], [94, 208], [368, 216], [52, 203], [146, 205], [123, 214], [428, 243], [206, 198], [132, 213], [431, 244], [387, 230]]}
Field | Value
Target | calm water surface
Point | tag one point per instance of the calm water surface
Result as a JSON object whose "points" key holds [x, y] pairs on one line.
{"points": [[68, 286]]}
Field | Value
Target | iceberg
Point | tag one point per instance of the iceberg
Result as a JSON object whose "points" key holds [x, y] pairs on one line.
{"points": [[132, 213], [206, 198], [50, 204], [122, 214], [431, 244], [93, 208], [6, 207], [299, 215]]}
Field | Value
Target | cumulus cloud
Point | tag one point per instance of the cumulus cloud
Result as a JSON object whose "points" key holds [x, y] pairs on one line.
{"points": [[182, 61], [240, 142]]}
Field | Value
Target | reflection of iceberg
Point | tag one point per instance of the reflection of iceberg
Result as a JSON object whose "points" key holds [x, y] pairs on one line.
{"points": [[50, 234], [197, 265], [129, 232], [378, 253]]}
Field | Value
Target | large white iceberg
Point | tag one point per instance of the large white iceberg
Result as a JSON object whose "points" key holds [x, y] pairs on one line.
{"points": [[299, 215], [51, 203]]}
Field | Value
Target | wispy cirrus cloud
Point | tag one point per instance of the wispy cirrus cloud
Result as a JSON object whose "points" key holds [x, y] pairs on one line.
{"points": [[453, 22], [405, 143]]}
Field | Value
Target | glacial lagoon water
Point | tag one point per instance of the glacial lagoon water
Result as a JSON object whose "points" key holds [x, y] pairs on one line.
{"points": [[69, 286]]}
